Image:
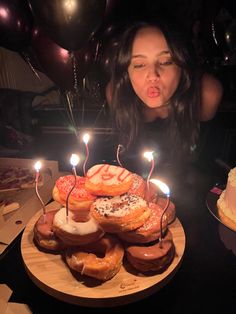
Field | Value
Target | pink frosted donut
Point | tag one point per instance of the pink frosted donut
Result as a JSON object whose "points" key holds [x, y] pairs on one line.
{"points": [[80, 199], [150, 230], [108, 180], [170, 212]]}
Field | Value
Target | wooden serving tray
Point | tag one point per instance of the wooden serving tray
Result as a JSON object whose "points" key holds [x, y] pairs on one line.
{"points": [[50, 273]]}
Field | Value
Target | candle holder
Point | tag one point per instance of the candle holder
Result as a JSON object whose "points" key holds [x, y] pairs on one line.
{"points": [[119, 148], [37, 168], [74, 160], [86, 138], [165, 189], [149, 157]]}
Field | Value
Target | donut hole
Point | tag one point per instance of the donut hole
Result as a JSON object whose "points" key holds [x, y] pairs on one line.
{"points": [[95, 249]]}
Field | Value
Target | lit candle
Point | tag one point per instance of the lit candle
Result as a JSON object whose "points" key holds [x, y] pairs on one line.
{"points": [[119, 147], [149, 156], [165, 189], [37, 167], [74, 160], [86, 138]]}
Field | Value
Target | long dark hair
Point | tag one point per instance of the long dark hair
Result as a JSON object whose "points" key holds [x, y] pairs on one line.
{"points": [[126, 107]]}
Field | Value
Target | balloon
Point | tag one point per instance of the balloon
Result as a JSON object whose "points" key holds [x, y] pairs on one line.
{"points": [[16, 22], [63, 67], [111, 10], [230, 35], [109, 40], [70, 24]]}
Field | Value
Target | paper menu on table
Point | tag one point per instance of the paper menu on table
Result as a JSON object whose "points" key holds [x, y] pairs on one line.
{"points": [[13, 223], [7, 307]]}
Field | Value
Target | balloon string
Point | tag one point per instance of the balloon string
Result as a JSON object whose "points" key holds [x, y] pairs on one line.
{"points": [[214, 33], [99, 113], [82, 113], [70, 110], [97, 51], [74, 71], [30, 65]]}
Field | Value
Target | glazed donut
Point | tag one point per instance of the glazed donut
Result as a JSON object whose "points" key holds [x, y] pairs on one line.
{"points": [[44, 237], [150, 230], [138, 186], [75, 233], [120, 213], [80, 199], [88, 261], [153, 257], [108, 180]]}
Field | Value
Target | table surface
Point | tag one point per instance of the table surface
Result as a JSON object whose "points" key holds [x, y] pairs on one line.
{"points": [[204, 283]]}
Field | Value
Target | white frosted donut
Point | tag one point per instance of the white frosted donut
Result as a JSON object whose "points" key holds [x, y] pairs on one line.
{"points": [[75, 233], [120, 213], [108, 180], [138, 186]]}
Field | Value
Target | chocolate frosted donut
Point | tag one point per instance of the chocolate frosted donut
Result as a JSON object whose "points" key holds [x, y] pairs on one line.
{"points": [[44, 236], [153, 257]]}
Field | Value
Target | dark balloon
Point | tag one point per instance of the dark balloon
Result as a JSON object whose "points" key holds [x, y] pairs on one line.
{"points": [[16, 21], [111, 10], [69, 23], [64, 68], [230, 35], [109, 41]]}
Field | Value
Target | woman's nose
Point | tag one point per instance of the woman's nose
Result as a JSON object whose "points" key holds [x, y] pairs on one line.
{"points": [[153, 73]]}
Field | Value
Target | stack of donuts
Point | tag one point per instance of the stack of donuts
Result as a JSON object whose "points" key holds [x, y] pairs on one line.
{"points": [[107, 219]]}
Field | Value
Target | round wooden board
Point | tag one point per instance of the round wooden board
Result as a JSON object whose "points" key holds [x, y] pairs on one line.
{"points": [[50, 273]]}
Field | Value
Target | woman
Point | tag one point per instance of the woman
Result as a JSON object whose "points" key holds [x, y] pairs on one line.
{"points": [[155, 80]]}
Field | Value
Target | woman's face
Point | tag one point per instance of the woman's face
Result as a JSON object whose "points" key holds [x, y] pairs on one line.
{"points": [[152, 72]]}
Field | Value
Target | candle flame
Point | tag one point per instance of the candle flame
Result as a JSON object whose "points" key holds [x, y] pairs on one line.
{"points": [[148, 155], [74, 160], [37, 165], [86, 138], [162, 186]]}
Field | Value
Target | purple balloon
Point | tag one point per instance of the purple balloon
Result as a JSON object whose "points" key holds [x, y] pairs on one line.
{"points": [[64, 68], [16, 23], [230, 35], [70, 25]]}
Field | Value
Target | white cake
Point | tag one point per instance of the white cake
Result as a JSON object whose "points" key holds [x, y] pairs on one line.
{"points": [[227, 201]]}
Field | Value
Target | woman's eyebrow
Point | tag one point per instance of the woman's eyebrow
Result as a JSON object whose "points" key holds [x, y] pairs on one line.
{"points": [[164, 52]]}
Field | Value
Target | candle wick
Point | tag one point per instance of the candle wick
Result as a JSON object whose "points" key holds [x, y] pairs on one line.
{"points": [[37, 192], [161, 221], [86, 159], [148, 180], [117, 155], [67, 199]]}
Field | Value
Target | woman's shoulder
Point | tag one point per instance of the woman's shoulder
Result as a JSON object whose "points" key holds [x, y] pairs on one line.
{"points": [[211, 96]]}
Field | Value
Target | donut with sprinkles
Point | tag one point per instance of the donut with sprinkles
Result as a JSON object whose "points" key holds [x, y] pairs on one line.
{"points": [[120, 213]]}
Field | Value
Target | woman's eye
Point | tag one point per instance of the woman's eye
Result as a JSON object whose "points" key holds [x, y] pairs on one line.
{"points": [[166, 62], [138, 66]]}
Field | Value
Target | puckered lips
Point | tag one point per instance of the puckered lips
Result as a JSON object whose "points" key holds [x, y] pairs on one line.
{"points": [[153, 92]]}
